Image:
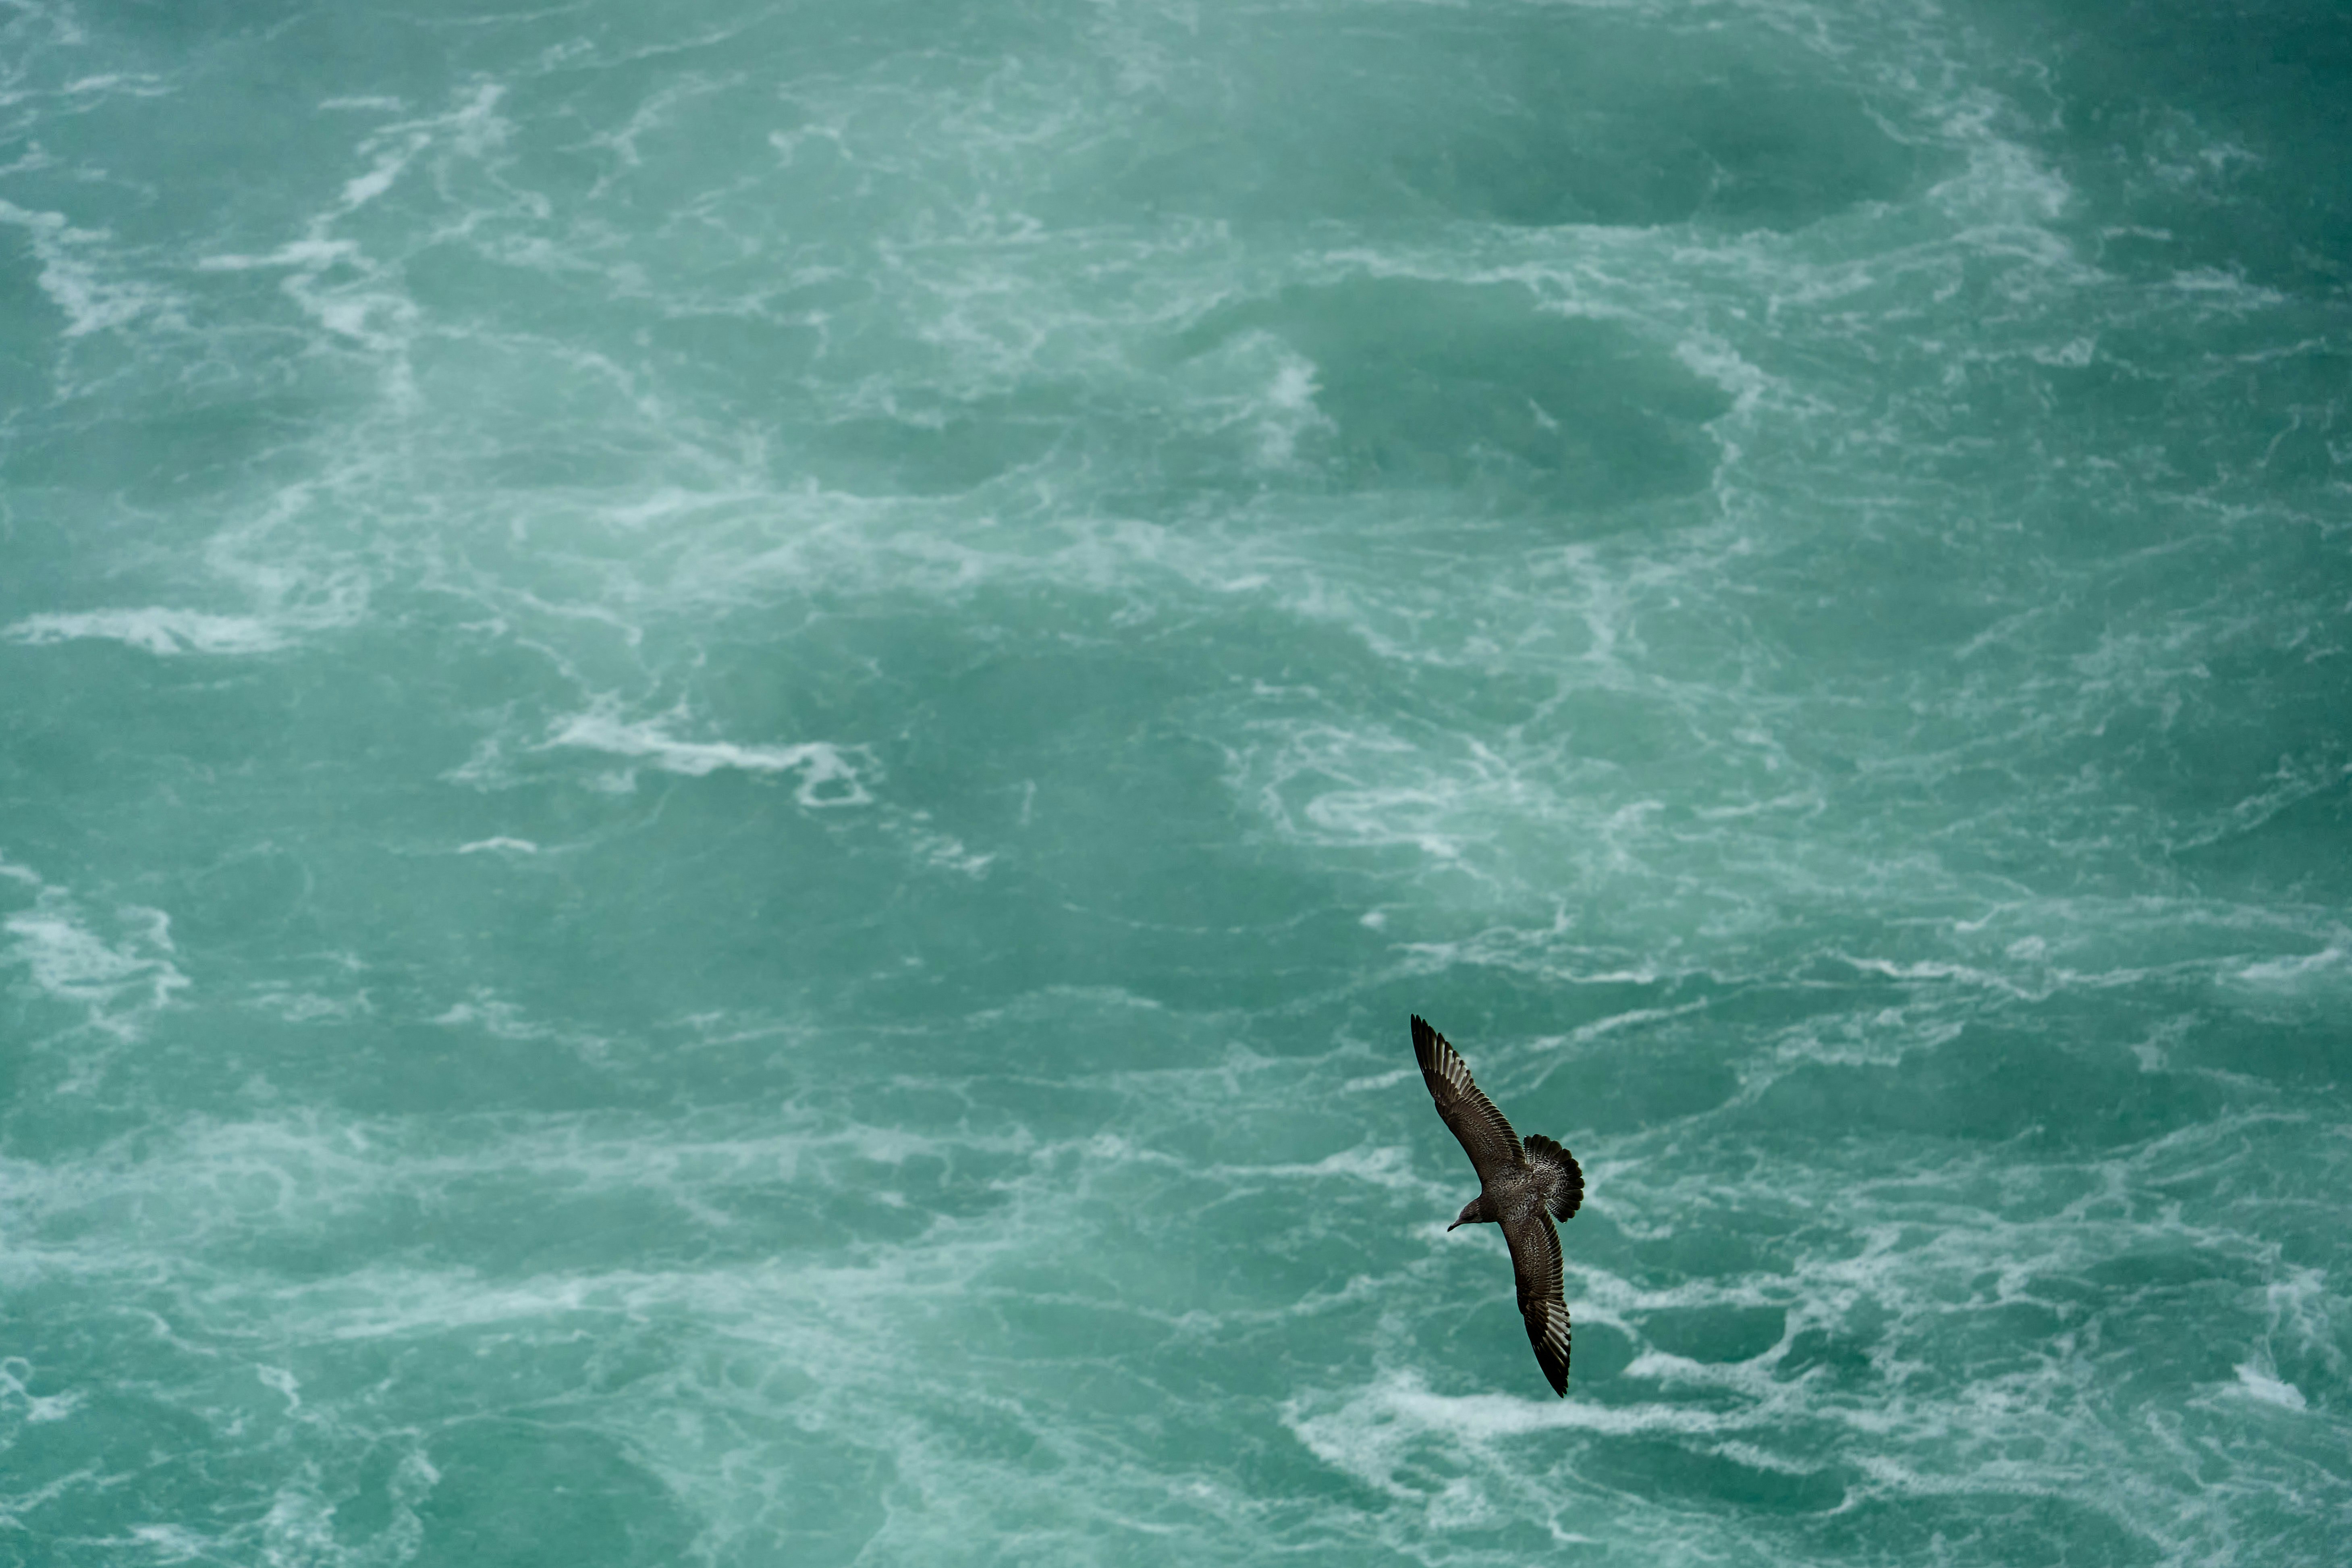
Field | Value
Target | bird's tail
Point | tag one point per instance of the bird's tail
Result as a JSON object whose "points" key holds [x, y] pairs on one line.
{"points": [[1563, 1177]]}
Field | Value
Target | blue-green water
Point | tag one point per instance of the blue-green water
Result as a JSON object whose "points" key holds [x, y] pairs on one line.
{"points": [[732, 736]]}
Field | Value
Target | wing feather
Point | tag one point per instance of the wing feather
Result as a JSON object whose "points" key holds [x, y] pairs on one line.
{"points": [[1484, 1136], [1534, 1268]]}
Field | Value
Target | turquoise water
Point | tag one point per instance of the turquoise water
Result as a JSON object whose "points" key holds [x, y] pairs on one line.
{"points": [[731, 738]]}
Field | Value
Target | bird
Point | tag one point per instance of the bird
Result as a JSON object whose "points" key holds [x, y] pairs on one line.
{"points": [[1521, 1187]]}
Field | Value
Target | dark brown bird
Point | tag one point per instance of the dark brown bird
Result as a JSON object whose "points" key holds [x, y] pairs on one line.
{"points": [[1520, 1188]]}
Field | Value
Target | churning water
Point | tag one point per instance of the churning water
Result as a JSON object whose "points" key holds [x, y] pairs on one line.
{"points": [[731, 735]]}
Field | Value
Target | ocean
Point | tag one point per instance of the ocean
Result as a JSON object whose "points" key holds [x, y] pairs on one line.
{"points": [[733, 736]]}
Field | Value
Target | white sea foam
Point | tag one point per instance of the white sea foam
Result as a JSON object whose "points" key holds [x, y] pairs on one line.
{"points": [[1287, 411], [156, 630], [316, 253], [118, 985], [944, 850], [284, 1383], [35, 1409], [173, 1543], [76, 277], [1717, 360], [1371, 1433], [828, 776], [2267, 1387], [2299, 972], [518, 846], [301, 1006], [333, 278]]}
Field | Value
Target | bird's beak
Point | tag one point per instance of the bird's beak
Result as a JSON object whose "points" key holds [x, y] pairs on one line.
{"points": [[1456, 1225]]}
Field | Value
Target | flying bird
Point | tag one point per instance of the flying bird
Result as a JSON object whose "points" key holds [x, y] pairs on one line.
{"points": [[1520, 1187]]}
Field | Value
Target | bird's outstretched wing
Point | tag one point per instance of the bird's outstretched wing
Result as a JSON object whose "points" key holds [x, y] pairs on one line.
{"points": [[1486, 1137], [1535, 1266]]}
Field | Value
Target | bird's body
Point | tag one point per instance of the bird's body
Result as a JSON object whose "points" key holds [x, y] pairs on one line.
{"points": [[1521, 1187]]}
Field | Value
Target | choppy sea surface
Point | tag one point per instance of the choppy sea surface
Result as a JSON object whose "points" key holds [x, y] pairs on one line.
{"points": [[732, 736]]}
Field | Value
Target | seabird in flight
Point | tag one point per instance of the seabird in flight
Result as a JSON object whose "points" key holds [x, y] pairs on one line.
{"points": [[1520, 1188]]}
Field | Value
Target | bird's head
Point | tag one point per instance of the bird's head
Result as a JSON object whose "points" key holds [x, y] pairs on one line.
{"points": [[1469, 1214]]}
